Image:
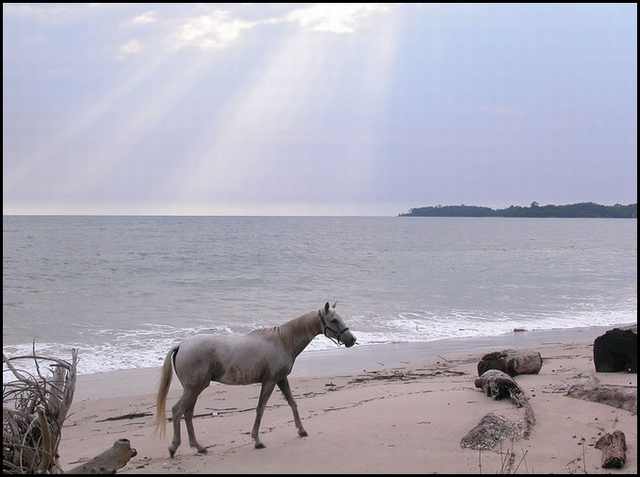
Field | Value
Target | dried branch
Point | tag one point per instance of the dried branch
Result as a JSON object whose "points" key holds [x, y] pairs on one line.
{"points": [[34, 408]]}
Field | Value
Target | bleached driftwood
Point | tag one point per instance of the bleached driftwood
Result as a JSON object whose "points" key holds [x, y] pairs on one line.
{"points": [[499, 385], [109, 461], [512, 362], [623, 397], [490, 431], [613, 447], [494, 428]]}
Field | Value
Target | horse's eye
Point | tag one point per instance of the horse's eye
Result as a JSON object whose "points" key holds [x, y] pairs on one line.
{"points": [[333, 320]]}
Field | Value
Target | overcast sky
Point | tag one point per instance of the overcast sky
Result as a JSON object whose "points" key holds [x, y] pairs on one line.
{"points": [[307, 109]]}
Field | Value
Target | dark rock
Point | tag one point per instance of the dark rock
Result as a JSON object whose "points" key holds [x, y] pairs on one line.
{"points": [[617, 350]]}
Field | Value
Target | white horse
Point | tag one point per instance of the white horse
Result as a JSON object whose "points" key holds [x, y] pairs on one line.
{"points": [[263, 356]]}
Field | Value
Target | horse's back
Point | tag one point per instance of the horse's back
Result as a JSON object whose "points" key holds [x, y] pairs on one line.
{"points": [[230, 359]]}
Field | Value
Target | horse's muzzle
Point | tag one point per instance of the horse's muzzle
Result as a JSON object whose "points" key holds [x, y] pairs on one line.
{"points": [[351, 342]]}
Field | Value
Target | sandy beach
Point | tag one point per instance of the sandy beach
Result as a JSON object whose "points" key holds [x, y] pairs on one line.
{"points": [[376, 409]]}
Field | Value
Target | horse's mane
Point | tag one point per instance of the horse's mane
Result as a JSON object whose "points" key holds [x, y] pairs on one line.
{"points": [[265, 331], [297, 323]]}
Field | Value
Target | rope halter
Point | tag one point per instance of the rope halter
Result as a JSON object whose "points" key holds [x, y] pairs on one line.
{"points": [[326, 326]]}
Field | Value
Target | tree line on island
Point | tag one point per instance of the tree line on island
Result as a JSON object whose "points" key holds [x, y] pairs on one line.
{"points": [[580, 210]]}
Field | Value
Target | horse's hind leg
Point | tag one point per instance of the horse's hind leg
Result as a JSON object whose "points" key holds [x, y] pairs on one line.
{"points": [[176, 412], [265, 392], [184, 406], [188, 419], [284, 387]]}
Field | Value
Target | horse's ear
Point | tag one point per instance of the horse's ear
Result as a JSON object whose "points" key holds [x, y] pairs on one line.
{"points": [[326, 308], [334, 305]]}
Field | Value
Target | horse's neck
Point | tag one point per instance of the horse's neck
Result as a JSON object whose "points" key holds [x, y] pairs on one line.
{"points": [[298, 333]]}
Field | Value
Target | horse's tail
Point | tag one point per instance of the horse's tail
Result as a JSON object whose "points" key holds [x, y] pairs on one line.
{"points": [[163, 390]]}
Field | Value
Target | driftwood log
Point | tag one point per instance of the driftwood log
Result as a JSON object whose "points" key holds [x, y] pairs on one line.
{"points": [[617, 350], [622, 397], [512, 362], [499, 385], [109, 461], [613, 447], [490, 431], [494, 428]]}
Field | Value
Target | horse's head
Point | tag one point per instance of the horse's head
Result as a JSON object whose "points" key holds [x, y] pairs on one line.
{"points": [[333, 326]]}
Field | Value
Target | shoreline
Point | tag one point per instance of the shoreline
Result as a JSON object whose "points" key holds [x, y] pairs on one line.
{"points": [[340, 361]]}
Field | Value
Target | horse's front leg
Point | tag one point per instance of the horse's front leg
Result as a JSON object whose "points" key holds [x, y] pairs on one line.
{"points": [[265, 393], [284, 387]]}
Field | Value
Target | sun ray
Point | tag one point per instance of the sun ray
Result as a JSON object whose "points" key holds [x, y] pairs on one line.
{"points": [[142, 122], [253, 124], [268, 107], [85, 120], [233, 157], [357, 171]]}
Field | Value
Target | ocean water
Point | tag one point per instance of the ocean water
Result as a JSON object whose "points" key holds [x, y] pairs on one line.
{"points": [[125, 289]]}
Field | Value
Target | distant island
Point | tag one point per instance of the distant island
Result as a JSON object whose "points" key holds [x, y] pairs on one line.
{"points": [[581, 210]]}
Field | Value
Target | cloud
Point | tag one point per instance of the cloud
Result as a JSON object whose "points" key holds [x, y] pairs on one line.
{"points": [[145, 18], [212, 31], [132, 47], [218, 29], [335, 18]]}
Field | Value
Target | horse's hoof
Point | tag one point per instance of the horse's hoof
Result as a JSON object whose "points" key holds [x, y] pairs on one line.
{"points": [[259, 445], [202, 450], [302, 433], [172, 452]]}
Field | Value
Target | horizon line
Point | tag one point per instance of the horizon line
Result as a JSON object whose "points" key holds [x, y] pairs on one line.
{"points": [[399, 211], [176, 215]]}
